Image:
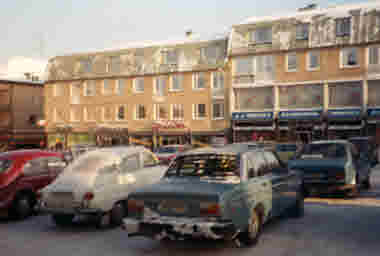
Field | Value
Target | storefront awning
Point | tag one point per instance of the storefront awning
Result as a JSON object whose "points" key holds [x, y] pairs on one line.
{"points": [[373, 115], [252, 116], [300, 115], [254, 128], [336, 114], [345, 127]]}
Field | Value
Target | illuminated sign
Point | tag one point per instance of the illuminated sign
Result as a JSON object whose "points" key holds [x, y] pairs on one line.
{"points": [[300, 114], [252, 116], [344, 113], [373, 112]]}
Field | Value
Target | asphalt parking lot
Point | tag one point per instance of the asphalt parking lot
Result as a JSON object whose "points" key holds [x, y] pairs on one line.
{"points": [[331, 226]]}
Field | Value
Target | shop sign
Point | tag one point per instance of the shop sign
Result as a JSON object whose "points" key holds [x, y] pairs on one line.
{"points": [[373, 112], [314, 114], [252, 116], [169, 124], [344, 113]]}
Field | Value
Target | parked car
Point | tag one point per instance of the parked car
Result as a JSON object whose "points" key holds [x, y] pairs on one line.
{"points": [[22, 174], [217, 193], [330, 166], [286, 150], [98, 182], [166, 153], [366, 145]]}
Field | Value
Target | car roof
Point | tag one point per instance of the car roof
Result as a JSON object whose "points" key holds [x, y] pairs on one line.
{"points": [[27, 153], [119, 150], [330, 141], [233, 149]]}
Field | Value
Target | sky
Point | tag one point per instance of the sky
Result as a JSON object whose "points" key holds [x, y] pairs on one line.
{"points": [[34, 31]]}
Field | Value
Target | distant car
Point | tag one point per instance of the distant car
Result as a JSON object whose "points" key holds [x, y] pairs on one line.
{"points": [[98, 182], [286, 150], [167, 153], [22, 174], [330, 166], [366, 145], [216, 193]]}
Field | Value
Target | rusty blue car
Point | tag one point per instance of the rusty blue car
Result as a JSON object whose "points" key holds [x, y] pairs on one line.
{"points": [[216, 193]]}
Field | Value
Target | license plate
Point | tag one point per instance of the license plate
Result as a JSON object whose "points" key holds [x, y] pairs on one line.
{"points": [[172, 206]]}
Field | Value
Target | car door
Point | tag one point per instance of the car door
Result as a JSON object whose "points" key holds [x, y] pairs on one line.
{"points": [[361, 164]]}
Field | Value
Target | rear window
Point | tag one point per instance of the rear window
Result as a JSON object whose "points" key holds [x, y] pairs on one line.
{"points": [[361, 145], [322, 150], [5, 164], [205, 166], [168, 150], [286, 148]]}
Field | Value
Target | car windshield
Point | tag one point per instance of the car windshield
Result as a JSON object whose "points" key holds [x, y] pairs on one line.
{"points": [[205, 166], [322, 150], [92, 161], [4, 165], [286, 148], [167, 150]]}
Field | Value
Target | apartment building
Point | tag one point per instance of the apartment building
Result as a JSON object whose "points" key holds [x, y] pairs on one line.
{"points": [[20, 109], [158, 93], [314, 72]]}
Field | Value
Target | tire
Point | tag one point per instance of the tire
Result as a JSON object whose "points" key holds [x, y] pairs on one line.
{"points": [[367, 183], [23, 206], [298, 210], [104, 220], [251, 236], [117, 214], [62, 219]]}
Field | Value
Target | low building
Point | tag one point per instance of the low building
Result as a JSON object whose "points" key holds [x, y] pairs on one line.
{"points": [[21, 106], [160, 93]]}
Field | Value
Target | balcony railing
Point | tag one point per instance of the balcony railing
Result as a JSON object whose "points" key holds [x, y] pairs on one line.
{"points": [[244, 79]]}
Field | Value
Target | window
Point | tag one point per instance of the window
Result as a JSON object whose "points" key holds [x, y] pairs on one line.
{"points": [[160, 86], [58, 90], [120, 86], [75, 93], [243, 66], [349, 58], [86, 65], [57, 115], [301, 96], [114, 64], [160, 112], [262, 35], [74, 115], [218, 81], [107, 113], [264, 63], [149, 159], [218, 111], [90, 88], [120, 113], [373, 55], [5, 164], [140, 112], [176, 83], [347, 94], [177, 112], [199, 111], [257, 98], [89, 114], [107, 87], [210, 54], [170, 57], [302, 31], [291, 62], [313, 60], [343, 26], [199, 81], [138, 85]]}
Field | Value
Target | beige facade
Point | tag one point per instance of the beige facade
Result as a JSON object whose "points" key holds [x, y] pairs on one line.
{"points": [[21, 106], [160, 94]]}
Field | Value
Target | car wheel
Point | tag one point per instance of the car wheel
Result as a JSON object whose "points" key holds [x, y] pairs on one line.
{"points": [[298, 210], [117, 214], [367, 183], [23, 206], [252, 234], [62, 219], [104, 220]]}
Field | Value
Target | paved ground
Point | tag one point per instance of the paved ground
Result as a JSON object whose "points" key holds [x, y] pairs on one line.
{"points": [[330, 227]]}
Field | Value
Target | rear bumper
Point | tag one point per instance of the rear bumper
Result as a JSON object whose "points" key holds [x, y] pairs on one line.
{"points": [[179, 228], [41, 207]]}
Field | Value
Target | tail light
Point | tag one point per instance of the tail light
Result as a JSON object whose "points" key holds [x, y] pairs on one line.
{"points": [[135, 206], [88, 196], [209, 209]]}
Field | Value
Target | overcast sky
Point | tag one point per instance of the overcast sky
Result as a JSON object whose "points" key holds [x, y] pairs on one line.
{"points": [[40, 29]]}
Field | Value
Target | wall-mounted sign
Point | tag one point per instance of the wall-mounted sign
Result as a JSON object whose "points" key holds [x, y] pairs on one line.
{"points": [[344, 113], [239, 116], [300, 115], [373, 112]]}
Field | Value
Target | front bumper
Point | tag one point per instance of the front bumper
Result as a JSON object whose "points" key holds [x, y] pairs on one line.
{"points": [[41, 207], [174, 228]]}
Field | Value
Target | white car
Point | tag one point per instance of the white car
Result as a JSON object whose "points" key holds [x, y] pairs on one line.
{"points": [[98, 183]]}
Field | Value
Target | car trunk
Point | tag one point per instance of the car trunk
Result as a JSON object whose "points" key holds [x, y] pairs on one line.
{"points": [[319, 169]]}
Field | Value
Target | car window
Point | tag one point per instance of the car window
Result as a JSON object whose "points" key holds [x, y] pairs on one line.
{"points": [[36, 166], [322, 150], [131, 164], [272, 159], [149, 159], [167, 150], [5, 164]]}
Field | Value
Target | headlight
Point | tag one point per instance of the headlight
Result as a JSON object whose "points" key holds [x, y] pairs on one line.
{"points": [[209, 209]]}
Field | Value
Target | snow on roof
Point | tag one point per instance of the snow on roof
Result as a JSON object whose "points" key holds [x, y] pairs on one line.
{"points": [[336, 11]]}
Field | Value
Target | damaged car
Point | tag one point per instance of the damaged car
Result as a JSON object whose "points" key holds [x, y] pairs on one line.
{"points": [[97, 184], [215, 193], [332, 166]]}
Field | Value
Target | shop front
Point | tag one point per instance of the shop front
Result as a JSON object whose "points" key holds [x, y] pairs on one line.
{"points": [[345, 123], [253, 126], [170, 132], [297, 125]]}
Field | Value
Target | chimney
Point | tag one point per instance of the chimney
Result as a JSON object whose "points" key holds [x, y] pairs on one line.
{"points": [[308, 7], [189, 33]]}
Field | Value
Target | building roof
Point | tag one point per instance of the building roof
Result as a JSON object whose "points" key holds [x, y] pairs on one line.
{"points": [[21, 81], [336, 11]]}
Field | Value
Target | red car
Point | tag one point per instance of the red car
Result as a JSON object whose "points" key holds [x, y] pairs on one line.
{"points": [[22, 174]]}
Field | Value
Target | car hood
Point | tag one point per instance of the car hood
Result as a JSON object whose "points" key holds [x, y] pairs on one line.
{"points": [[317, 165], [184, 188]]}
